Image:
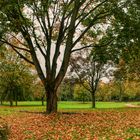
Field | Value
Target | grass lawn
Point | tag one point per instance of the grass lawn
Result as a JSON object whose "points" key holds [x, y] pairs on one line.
{"points": [[75, 104], [72, 106], [99, 105]]}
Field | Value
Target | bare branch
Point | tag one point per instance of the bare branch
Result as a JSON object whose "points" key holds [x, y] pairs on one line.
{"points": [[18, 40], [22, 56], [78, 49], [28, 39], [36, 41], [20, 48]]}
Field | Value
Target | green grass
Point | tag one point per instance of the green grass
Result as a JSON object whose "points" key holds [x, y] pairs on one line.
{"points": [[62, 106], [99, 105], [26, 103], [74, 104]]}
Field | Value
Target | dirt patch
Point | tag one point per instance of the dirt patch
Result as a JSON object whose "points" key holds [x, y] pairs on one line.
{"points": [[132, 105]]}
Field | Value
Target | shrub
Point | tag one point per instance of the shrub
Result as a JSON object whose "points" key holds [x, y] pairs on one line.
{"points": [[4, 130]]}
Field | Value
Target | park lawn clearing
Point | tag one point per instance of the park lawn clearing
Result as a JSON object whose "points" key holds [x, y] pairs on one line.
{"points": [[35, 106], [74, 104], [75, 121]]}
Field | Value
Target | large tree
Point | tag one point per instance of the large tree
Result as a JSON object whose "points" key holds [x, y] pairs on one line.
{"points": [[53, 29]]}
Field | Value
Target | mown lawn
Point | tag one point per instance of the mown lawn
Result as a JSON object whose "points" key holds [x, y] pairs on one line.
{"points": [[35, 106], [75, 105], [75, 121]]}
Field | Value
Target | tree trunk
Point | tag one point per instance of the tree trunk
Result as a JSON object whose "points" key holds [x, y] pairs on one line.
{"points": [[16, 99], [16, 103], [42, 100], [121, 92], [1, 102], [11, 102], [83, 99], [51, 101], [93, 100]]}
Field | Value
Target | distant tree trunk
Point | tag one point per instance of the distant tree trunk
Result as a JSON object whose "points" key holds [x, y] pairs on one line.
{"points": [[120, 95], [51, 101], [11, 102], [83, 99], [1, 102], [121, 91], [93, 100], [16, 99], [16, 102], [42, 99], [11, 96]]}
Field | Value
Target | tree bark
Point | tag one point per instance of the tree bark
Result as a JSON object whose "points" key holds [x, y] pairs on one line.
{"points": [[51, 101], [93, 100]]}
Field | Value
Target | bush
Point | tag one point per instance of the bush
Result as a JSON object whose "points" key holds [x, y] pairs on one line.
{"points": [[81, 94], [4, 130]]}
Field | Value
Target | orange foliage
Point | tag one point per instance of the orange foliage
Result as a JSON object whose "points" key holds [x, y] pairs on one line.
{"points": [[112, 125]]}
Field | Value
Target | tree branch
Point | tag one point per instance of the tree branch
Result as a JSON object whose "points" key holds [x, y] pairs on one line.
{"points": [[26, 36], [21, 55], [78, 49], [86, 15], [68, 47], [97, 17], [23, 49]]}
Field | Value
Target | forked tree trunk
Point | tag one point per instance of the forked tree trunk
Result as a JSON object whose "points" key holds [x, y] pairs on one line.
{"points": [[93, 100], [51, 102]]}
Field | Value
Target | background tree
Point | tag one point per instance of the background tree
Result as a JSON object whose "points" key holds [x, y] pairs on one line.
{"points": [[50, 26], [66, 89], [90, 67], [39, 92], [125, 26], [111, 91], [120, 75], [16, 79], [81, 94], [104, 92]]}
